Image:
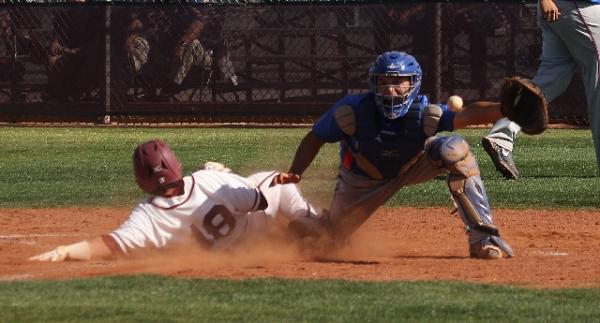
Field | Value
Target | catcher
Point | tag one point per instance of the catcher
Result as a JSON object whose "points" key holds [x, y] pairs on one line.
{"points": [[212, 206], [388, 141]]}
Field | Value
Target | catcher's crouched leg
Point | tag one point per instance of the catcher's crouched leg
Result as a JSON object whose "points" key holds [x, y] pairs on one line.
{"points": [[470, 198], [313, 235]]}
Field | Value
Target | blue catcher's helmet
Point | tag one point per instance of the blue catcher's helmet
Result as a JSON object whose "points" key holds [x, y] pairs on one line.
{"points": [[395, 63]]}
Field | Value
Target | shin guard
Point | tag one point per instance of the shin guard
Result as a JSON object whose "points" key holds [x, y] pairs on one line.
{"points": [[467, 191]]}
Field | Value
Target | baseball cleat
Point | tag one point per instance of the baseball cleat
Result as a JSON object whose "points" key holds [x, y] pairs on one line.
{"points": [[502, 159], [485, 249], [492, 247]]}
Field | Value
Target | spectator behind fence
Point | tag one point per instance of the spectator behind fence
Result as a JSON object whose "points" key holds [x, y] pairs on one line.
{"points": [[17, 45], [76, 54], [166, 44]]}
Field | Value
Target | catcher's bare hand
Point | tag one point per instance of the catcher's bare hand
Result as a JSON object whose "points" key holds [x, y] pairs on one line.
{"points": [[57, 254], [285, 178]]}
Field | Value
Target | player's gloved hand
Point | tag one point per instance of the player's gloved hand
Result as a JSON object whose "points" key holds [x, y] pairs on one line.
{"points": [[57, 254], [285, 178], [523, 102]]}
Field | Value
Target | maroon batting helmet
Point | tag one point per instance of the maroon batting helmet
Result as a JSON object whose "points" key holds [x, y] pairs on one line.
{"points": [[155, 165]]}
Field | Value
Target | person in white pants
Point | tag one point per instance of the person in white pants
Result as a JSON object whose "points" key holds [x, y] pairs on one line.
{"points": [[570, 36]]}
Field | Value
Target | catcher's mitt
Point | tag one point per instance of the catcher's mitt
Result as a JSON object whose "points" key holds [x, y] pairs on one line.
{"points": [[524, 103]]}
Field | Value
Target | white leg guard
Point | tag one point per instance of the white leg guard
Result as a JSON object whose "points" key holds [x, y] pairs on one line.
{"points": [[467, 190]]}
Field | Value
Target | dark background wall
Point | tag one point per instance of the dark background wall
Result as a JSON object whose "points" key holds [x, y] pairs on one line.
{"points": [[271, 63]]}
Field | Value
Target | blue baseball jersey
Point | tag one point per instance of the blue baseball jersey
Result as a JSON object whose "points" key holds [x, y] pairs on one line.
{"points": [[386, 143]]}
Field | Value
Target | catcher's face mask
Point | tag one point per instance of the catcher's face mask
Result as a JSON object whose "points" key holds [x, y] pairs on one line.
{"points": [[395, 80], [393, 90]]}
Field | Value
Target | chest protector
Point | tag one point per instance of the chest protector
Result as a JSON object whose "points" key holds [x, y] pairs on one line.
{"points": [[379, 147]]}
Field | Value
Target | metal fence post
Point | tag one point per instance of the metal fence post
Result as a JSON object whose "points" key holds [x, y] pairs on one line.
{"points": [[437, 53], [107, 84]]}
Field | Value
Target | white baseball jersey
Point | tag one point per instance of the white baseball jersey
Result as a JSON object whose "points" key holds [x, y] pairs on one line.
{"points": [[218, 209]]}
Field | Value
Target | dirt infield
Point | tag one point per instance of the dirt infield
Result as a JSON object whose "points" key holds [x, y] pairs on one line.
{"points": [[553, 250]]}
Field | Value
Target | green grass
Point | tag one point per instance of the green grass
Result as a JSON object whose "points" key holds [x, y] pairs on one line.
{"points": [[159, 299], [51, 167]]}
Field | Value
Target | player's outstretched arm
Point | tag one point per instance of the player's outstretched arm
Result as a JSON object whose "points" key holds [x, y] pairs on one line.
{"points": [[305, 154], [477, 113], [82, 250]]}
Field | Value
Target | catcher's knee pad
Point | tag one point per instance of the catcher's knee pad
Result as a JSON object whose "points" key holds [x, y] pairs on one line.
{"points": [[454, 153]]}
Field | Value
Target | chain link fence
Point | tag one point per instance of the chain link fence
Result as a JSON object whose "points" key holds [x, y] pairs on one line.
{"points": [[264, 63]]}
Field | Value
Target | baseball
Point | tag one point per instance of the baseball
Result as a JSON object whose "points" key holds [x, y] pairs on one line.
{"points": [[455, 103]]}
